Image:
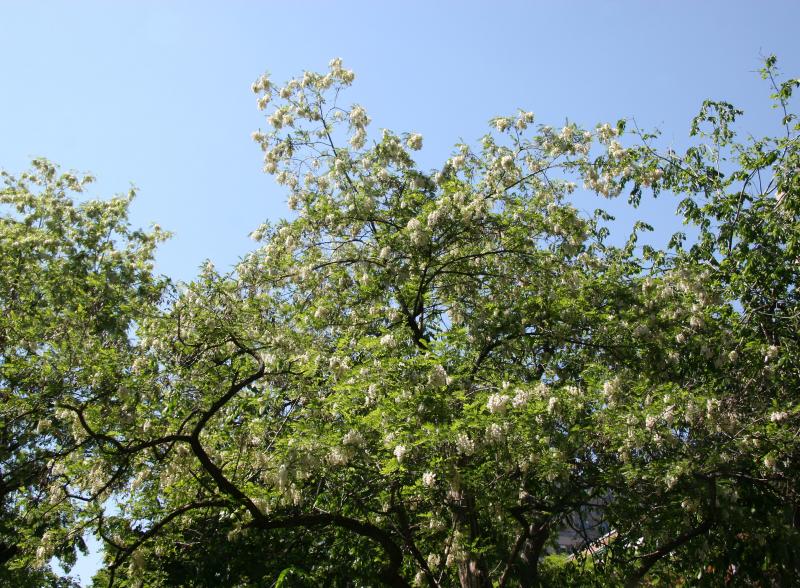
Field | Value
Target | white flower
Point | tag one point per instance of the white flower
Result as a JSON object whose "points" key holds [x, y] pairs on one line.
{"points": [[523, 120], [387, 340], [650, 422], [521, 398], [551, 404], [282, 477], [429, 479], [777, 417], [616, 150], [772, 352], [400, 452], [606, 131], [438, 377], [733, 356], [338, 457], [434, 560], [262, 84], [464, 444], [43, 553], [501, 123], [668, 414], [358, 139], [372, 394], [353, 438], [610, 388], [385, 252], [458, 161], [495, 432], [434, 217], [498, 403], [358, 117], [507, 162], [414, 141]]}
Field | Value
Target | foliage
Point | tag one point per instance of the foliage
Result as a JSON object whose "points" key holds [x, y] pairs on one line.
{"points": [[74, 278], [427, 376]]}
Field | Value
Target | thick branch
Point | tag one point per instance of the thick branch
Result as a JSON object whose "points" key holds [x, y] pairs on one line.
{"points": [[649, 560], [390, 574]]}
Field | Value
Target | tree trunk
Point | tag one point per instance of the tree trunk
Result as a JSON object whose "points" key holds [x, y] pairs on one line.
{"points": [[472, 573], [472, 569], [531, 551]]}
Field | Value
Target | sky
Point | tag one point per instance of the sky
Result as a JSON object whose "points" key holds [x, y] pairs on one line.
{"points": [[156, 94]]}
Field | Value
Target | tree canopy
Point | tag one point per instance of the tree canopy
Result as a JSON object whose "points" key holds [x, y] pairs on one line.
{"points": [[451, 377]]}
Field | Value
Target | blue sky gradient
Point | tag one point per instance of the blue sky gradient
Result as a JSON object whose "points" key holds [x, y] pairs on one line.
{"points": [[157, 94]]}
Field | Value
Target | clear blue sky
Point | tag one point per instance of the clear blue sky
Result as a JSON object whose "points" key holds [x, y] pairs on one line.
{"points": [[157, 93]]}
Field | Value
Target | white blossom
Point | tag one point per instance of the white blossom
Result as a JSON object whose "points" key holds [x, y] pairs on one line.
{"points": [[670, 481], [464, 444], [282, 477], [501, 123], [372, 394], [400, 452], [605, 132], [611, 388], [668, 414], [498, 403], [772, 353], [358, 117], [521, 398], [777, 417], [359, 138], [414, 141], [495, 432], [429, 479], [353, 438], [438, 377], [524, 118], [338, 457]]}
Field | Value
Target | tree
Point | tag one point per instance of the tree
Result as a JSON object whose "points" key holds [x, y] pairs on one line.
{"points": [[426, 376], [74, 279]]}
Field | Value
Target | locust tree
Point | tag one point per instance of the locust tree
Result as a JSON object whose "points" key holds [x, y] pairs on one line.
{"points": [[74, 279], [426, 376]]}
